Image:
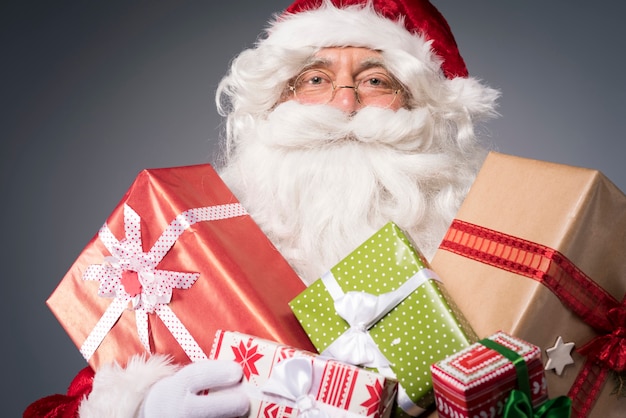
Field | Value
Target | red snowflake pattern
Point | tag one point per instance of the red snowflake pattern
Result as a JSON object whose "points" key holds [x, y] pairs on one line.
{"points": [[275, 411], [373, 403], [246, 355]]}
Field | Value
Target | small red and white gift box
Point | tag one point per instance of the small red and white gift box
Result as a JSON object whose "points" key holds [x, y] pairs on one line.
{"points": [[477, 381], [282, 381]]}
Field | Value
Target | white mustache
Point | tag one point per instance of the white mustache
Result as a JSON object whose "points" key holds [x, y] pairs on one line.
{"points": [[294, 125]]}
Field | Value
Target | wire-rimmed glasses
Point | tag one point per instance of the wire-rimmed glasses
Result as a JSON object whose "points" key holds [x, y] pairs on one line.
{"points": [[317, 86]]}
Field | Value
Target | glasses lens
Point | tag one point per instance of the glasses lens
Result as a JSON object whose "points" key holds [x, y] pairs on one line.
{"points": [[377, 89], [313, 86]]}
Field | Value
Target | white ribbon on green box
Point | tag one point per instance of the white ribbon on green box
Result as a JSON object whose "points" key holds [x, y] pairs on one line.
{"points": [[421, 327], [362, 310]]}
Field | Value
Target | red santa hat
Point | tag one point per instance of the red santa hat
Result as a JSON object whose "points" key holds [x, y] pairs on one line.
{"points": [[414, 26]]}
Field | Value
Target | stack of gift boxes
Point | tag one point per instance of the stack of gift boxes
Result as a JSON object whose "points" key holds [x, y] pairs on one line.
{"points": [[523, 307], [537, 250]]}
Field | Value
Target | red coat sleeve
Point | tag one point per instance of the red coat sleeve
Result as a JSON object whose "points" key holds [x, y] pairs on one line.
{"points": [[63, 406]]}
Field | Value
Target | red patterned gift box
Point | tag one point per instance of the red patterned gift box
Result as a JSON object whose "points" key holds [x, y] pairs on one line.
{"points": [[285, 382], [537, 251], [176, 260], [477, 381]]}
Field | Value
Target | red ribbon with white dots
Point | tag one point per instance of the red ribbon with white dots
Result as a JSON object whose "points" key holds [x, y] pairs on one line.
{"points": [[130, 276]]}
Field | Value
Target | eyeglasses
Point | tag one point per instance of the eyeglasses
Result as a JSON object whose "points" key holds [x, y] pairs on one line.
{"points": [[316, 86]]}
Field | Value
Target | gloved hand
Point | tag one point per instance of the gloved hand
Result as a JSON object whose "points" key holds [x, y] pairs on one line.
{"points": [[179, 396]]}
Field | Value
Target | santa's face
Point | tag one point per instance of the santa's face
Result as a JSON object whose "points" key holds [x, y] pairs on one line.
{"points": [[321, 176], [348, 79]]}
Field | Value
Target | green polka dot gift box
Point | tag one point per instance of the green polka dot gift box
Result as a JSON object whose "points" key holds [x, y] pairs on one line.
{"points": [[383, 308]]}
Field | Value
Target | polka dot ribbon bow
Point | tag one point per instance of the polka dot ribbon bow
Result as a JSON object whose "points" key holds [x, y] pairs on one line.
{"points": [[130, 276], [361, 311]]}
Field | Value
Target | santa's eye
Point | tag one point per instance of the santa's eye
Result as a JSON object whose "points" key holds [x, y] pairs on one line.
{"points": [[312, 83], [314, 80], [377, 81]]}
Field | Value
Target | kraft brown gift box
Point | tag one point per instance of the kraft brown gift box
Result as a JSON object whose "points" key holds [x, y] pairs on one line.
{"points": [[183, 229], [527, 225]]}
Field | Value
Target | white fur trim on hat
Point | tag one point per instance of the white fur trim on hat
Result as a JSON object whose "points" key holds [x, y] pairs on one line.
{"points": [[357, 26]]}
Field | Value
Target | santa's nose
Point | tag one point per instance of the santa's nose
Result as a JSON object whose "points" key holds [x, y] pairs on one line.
{"points": [[345, 99]]}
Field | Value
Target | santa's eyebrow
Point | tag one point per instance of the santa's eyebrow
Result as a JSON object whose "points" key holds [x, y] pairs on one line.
{"points": [[313, 62]]}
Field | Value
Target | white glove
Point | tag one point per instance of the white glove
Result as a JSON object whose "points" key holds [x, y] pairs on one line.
{"points": [[178, 396]]}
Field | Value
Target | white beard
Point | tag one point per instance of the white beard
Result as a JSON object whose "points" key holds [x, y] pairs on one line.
{"points": [[320, 182]]}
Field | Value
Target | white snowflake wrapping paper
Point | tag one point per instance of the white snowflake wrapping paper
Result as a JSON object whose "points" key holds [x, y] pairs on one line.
{"points": [[283, 382]]}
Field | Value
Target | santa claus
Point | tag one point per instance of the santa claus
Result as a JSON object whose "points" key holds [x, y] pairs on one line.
{"points": [[347, 114]]}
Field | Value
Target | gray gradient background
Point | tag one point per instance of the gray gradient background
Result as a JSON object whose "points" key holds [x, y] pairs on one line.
{"points": [[93, 92]]}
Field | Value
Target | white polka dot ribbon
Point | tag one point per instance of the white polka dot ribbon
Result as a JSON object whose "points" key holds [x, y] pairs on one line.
{"points": [[131, 278], [361, 310]]}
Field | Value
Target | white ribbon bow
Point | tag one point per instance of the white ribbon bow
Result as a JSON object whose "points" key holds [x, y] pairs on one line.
{"points": [[130, 275], [361, 311], [292, 380], [355, 346]]}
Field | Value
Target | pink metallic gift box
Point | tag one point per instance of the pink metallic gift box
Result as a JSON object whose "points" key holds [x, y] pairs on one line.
{"points": [[176, 260]]}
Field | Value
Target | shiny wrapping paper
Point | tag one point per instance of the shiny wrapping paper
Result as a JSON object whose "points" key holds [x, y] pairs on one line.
{"points": [[477, 381], [527, 231], [241, 281], [285, 382], [423, 328]]}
